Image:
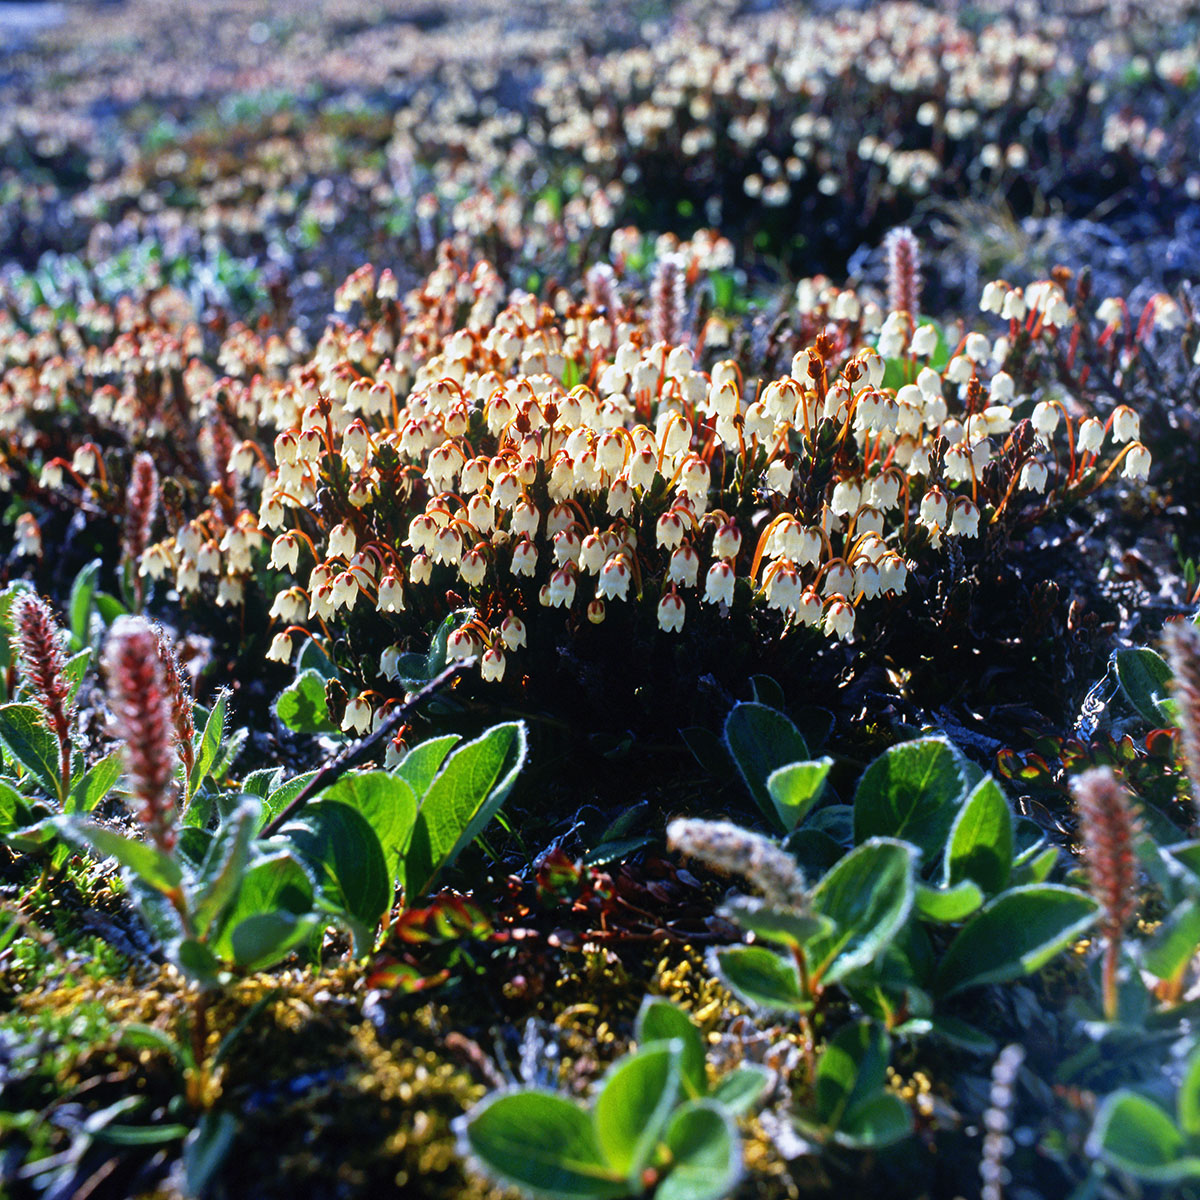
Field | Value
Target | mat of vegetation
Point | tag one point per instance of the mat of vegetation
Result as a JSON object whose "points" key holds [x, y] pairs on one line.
{"points": [[599, 600]]}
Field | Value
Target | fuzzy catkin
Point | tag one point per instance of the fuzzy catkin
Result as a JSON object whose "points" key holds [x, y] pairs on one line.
{"points": [[1108, 825], [904, 271], [729, 847], [217, 447], [179, 693], [141, 709], [141, 506], [601, 288], [1182, 642], [39, 644], [667, 301]]}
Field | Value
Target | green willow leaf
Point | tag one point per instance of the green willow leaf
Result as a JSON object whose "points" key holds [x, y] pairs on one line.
{"points": [[1015, 934], [912, 791], [760, 740], [542, 1143]]}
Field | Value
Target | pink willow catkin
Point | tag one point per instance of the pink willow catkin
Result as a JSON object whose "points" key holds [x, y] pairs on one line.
{"points": [[904, 271], [601, 283], [39, 644], [667, 301], [1182, 641], [1109, 826], [138, 697], [141, 507], [179, 694]]}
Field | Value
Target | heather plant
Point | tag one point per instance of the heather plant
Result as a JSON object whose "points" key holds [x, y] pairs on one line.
{"points": [[777, 121], [430, 453], [117, 415]]}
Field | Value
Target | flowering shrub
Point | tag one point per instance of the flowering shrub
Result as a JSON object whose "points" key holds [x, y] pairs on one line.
{"points": [[515, 458]]}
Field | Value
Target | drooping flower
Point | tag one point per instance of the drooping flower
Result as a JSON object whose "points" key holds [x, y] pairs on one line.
{"points": [[1033, 476], [1125, 424], [491, 666], [280, 649], [671, 612], [357, 717], [1137, 462], [718, 584]]}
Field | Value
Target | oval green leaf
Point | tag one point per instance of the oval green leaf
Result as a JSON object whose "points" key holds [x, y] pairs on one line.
{"points": [[276, 883], [741, 1089], [868, 896], [760, 977], [853, 1068], [262, 940], [880, 1120], [981, 839], [1018, 932], [540, 1142], [1187, 1103], [1145, 679], [301, 706], [30, 743], [221, 872], [1134, 1135], [636, 1098], [912, 791], [795, 788], [949, 905], [387, 803], [660, 1021], [706, 1154], [344, 851], [464, 797], [784, 926], [760, 740]]}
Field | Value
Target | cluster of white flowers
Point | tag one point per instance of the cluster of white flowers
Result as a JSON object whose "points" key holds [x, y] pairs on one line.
{"points": [[517, 489], [469, 461]]}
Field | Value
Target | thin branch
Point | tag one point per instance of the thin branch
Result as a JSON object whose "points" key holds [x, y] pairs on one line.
{"points": [[356, 752]]}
